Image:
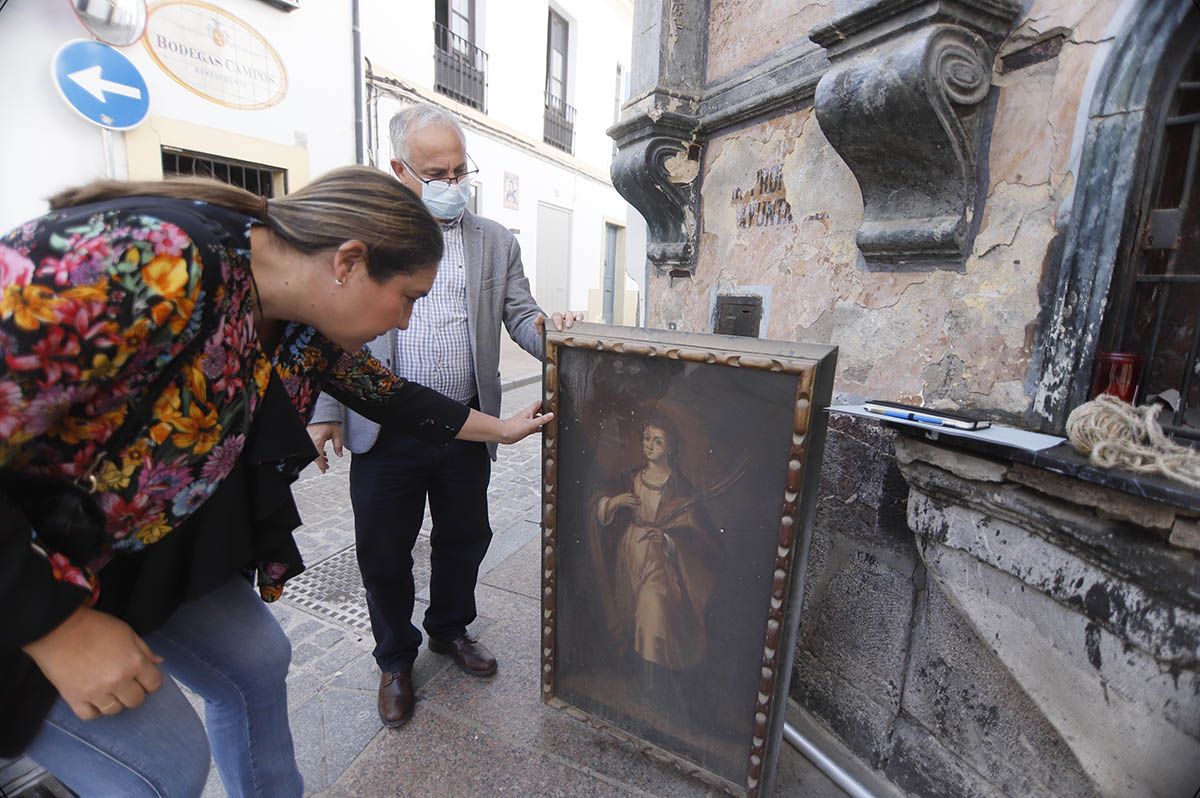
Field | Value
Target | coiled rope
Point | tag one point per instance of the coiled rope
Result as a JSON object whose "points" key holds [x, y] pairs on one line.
{"points": [[1115, 434]]}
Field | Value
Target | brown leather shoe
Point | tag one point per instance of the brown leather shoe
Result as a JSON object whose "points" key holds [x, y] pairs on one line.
{"points": [[469, 654], [396, 698]]}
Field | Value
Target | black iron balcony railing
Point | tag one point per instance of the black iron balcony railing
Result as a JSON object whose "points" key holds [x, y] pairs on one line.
{"points": [[559, 128], [459, 68]]}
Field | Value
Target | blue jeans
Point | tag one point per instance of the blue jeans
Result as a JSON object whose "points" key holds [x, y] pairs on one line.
{"points": [[226, 647]]}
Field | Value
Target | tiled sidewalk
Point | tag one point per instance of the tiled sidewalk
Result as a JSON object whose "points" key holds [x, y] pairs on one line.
{"points": [[468, 736]]}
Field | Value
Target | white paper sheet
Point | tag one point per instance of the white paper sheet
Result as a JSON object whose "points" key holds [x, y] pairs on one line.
{"points": [[997, 433]]}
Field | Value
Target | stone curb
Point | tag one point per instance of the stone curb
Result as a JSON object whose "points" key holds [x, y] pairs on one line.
{"points": [[519, 382]]}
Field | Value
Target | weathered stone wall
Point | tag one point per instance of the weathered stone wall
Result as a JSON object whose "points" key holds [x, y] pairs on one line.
{"points": [[1077, 589], [886, 659], [741, 32], [938, 336], [890, 665]]}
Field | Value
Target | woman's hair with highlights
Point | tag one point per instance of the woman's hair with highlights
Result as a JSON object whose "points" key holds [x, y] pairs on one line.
{"points": [[350, 203]]}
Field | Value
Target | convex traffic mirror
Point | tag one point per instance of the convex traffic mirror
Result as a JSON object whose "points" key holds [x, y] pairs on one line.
{"points": [[116, 22]]}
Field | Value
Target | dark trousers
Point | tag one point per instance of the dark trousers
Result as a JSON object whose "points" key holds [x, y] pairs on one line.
{"points": [[388, 488]]}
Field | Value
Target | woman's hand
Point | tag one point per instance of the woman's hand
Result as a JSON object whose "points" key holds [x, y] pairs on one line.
{"points": [[528, 421], [98, 663], [489, 429], [658, 537]]}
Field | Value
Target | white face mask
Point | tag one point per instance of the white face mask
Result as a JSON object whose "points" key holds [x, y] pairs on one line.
{"points": [[443, 201]]}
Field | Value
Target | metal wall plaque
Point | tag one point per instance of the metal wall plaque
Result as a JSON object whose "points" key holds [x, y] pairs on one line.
{"points": [[214, 54]]}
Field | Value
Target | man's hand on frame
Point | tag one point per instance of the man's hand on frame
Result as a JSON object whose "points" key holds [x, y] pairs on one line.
{"points": [[560, 319]]}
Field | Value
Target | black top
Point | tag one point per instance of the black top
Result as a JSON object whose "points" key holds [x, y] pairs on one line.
{"points": [[249, 519]]}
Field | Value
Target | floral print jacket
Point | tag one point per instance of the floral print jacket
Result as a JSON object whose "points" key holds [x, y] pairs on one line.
{"points": [[95, 302]]}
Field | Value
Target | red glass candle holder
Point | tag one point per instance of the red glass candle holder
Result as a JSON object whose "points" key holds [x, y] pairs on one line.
{"points": [[1118, 374]]}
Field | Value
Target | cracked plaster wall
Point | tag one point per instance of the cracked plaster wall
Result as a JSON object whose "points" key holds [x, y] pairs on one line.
{"points": [[945, 337], [741, 32]]}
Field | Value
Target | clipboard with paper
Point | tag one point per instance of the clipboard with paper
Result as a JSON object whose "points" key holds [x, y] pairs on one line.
{"points": [[997, 434]]}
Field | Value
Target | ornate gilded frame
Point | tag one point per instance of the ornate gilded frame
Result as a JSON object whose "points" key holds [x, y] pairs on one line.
{"points": [[813, 367]]}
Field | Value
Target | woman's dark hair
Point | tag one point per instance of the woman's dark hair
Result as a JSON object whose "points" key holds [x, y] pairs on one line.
{"points": [[350, 203]]}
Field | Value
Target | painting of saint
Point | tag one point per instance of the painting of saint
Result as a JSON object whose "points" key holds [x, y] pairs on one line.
{"points": [[671, 478], [660, 559]]}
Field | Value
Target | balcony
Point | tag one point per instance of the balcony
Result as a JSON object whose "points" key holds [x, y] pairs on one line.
{"points": [[559, 128], [459, 68]]}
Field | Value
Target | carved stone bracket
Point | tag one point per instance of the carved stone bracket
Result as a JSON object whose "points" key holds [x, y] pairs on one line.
{"points": [[901, 103], [657, 169]]}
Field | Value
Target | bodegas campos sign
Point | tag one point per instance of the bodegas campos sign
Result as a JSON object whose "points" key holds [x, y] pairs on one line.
{"points": [[214, 54]]}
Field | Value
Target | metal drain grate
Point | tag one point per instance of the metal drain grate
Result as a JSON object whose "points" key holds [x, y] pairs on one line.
{"points": [[333, 587]]}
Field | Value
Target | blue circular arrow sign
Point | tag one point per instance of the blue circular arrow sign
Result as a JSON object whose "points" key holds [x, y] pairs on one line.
{"points": [[101, 84]]}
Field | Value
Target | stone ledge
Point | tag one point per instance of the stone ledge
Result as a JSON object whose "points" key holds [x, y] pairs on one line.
{"points": [[1124, 550], [909, 450], [864, 23], [1106, 502], [1084, 496], [1186, 534], [1133, 605]]}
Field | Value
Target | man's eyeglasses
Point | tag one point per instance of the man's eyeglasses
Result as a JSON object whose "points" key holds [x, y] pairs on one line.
{"points": [[453, 180]]}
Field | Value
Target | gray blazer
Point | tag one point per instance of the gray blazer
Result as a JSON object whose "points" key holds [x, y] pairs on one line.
{"points": [[497, 291]]}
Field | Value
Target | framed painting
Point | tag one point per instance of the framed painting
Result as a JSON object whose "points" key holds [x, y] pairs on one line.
{"points": [[679, 477]]}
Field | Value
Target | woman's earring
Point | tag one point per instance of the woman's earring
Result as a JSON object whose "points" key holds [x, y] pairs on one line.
{"points": [[340, 281]]}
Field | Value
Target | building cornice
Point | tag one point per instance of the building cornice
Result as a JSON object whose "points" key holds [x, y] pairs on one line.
{"points": [[784, 81]]}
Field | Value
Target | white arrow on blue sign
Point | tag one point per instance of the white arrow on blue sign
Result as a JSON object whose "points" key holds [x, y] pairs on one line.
{"points": [[101, 84]]}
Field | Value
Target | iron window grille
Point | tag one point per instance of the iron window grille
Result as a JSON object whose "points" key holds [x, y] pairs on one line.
{"points": [[255, 178], [1155, 301], [559, 128], [459, 68]]}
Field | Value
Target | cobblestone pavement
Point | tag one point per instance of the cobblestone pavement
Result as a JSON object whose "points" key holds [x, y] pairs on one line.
{"points": [[468, 736]]}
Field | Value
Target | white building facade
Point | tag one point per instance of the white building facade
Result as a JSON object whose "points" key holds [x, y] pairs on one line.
{"points": [[269, 93], [535, 84]]}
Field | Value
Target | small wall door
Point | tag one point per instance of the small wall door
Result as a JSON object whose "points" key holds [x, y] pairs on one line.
{"points": [[611, 232], [553, 258]]}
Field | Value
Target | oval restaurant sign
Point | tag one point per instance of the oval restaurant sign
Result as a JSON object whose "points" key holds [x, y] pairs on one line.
{"points": [[213, 53]]}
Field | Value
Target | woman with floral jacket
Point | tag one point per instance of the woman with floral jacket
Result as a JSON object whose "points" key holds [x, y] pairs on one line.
{"points": [[209, 320]]}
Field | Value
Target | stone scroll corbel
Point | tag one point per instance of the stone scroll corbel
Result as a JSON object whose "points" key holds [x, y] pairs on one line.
{"points": [[657, 170], [902, 105]]}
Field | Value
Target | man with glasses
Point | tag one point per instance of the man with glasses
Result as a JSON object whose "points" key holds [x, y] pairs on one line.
{"points": [[452, 344]]}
